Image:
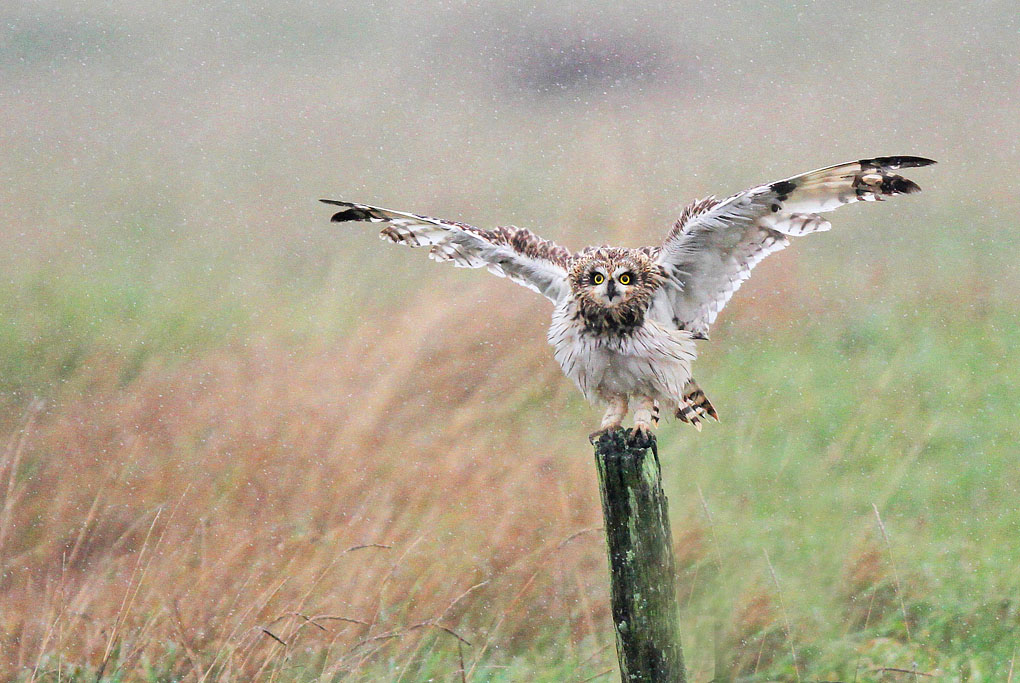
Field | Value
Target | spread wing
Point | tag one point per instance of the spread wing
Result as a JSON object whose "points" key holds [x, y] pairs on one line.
{"points": [[516, 253], [715, 244]]}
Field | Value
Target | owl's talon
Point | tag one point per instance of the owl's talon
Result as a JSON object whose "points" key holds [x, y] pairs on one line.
{"points": [[641, 436]]}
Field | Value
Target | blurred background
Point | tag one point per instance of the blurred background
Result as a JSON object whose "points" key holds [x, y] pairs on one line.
{"points": [[240, 443]]}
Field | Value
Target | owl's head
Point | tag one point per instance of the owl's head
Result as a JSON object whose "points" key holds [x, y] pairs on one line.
{"points": [[613, 282]]}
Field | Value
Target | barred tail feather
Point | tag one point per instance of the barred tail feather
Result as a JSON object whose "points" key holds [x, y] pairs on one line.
{"points": [[695, 406]]}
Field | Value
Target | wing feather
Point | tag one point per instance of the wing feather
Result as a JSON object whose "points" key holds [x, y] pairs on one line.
{"points": [[715, 245], [515, 253]]}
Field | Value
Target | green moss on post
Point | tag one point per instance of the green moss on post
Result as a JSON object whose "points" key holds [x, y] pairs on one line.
{"points": [[641, 562]]}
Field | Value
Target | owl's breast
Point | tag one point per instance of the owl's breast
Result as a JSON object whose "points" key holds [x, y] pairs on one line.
{"points": [[580, 356], [649, 360]]}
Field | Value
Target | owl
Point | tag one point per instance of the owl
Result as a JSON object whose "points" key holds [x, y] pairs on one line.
{"points": [[625, 321]]}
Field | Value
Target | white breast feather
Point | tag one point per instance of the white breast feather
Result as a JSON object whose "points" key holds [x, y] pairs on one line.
{"points": [[652, 361]]}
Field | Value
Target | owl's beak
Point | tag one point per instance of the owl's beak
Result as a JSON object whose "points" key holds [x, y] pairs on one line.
{"points": [[611, 290]]}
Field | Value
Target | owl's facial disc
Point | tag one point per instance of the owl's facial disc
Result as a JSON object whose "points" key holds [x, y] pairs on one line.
{"points": [[611, 288]]}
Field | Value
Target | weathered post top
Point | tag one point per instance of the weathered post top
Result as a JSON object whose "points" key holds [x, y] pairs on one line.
{"points": [[641, 562]]}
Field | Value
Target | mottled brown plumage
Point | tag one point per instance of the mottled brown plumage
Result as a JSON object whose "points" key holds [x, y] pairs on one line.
{"points": [[622, 318]]}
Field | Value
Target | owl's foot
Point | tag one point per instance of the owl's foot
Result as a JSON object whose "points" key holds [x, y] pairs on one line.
{"points": [[641, 436], [599, 433], [614, 413], [645, 417], [613, 418]]}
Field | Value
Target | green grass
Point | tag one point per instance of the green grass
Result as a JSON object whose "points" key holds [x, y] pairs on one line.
{"points": [[910, 412]]}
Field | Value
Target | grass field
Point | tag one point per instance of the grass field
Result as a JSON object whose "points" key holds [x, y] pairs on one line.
{"points": [[239, 443]]}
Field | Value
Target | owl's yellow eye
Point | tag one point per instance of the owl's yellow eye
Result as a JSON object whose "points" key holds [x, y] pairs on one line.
{"points": [[598, 278], [624, 279]]}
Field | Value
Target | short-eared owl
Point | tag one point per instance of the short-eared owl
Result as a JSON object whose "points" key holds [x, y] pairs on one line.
{"points": [[626, 320]]}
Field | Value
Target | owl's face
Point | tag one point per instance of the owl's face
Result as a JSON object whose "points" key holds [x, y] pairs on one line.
{"points": [[611, 284], [614, 284]]}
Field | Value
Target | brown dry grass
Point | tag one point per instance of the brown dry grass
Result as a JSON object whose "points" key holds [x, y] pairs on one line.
{"points": [[218, 500]]}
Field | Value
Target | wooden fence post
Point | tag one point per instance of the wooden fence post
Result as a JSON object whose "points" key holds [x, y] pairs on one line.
{"points": [[641, 562]]}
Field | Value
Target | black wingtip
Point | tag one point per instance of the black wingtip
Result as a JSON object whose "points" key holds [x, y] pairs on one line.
{"points": [[904, 186], [898, 162], [351, 212]]}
